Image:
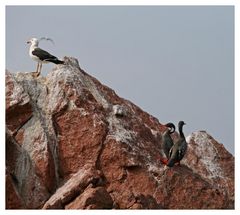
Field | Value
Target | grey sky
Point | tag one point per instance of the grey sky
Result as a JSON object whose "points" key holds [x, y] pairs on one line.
{"points": [[175, 62]]}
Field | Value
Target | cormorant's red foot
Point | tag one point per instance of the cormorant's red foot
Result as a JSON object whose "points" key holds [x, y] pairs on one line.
{"points": [[164, 161]]}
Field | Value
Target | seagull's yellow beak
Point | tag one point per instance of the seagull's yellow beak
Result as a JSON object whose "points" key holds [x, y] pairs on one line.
{"points": [[28, 41]]}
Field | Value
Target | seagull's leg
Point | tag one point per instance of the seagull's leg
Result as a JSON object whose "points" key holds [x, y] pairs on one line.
{"points": [[37, 67], [35, 74], [39, 70]]}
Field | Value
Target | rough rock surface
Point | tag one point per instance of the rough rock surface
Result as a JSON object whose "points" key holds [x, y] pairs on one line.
{"points": [[72, 143]]}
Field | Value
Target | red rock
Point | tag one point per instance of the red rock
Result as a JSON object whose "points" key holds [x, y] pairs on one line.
{"points": [[80, 139], [13, 199], [72, 143], [18, 107], [24, 187], [73, 187], [92, 198], [212, 162]]}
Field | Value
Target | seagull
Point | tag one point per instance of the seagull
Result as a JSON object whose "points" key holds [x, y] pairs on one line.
{"points": [[40, 55]]}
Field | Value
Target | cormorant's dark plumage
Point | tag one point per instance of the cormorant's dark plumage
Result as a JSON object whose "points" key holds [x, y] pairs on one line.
{"points": [[179, 149], [167, 139]]}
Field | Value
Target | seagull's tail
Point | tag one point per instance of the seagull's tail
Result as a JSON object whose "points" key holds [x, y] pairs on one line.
{"points": [[55, 60]]}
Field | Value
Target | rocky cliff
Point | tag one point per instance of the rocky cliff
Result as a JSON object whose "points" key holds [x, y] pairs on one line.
{"points": [[72, 143]]}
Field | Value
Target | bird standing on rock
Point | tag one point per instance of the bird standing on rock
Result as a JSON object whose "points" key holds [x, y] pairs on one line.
{"points": [[167, 139], [179, 149], [40, 55]]}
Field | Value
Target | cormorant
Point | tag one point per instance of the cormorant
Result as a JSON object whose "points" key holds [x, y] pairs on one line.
{"points": [[179, 149], [167, 139]]}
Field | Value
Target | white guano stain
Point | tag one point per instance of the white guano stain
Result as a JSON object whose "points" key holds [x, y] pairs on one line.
{"points": [[207, 154]]}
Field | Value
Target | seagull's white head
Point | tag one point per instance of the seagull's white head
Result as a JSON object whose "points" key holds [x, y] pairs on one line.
{"points": [[33, 41]]}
